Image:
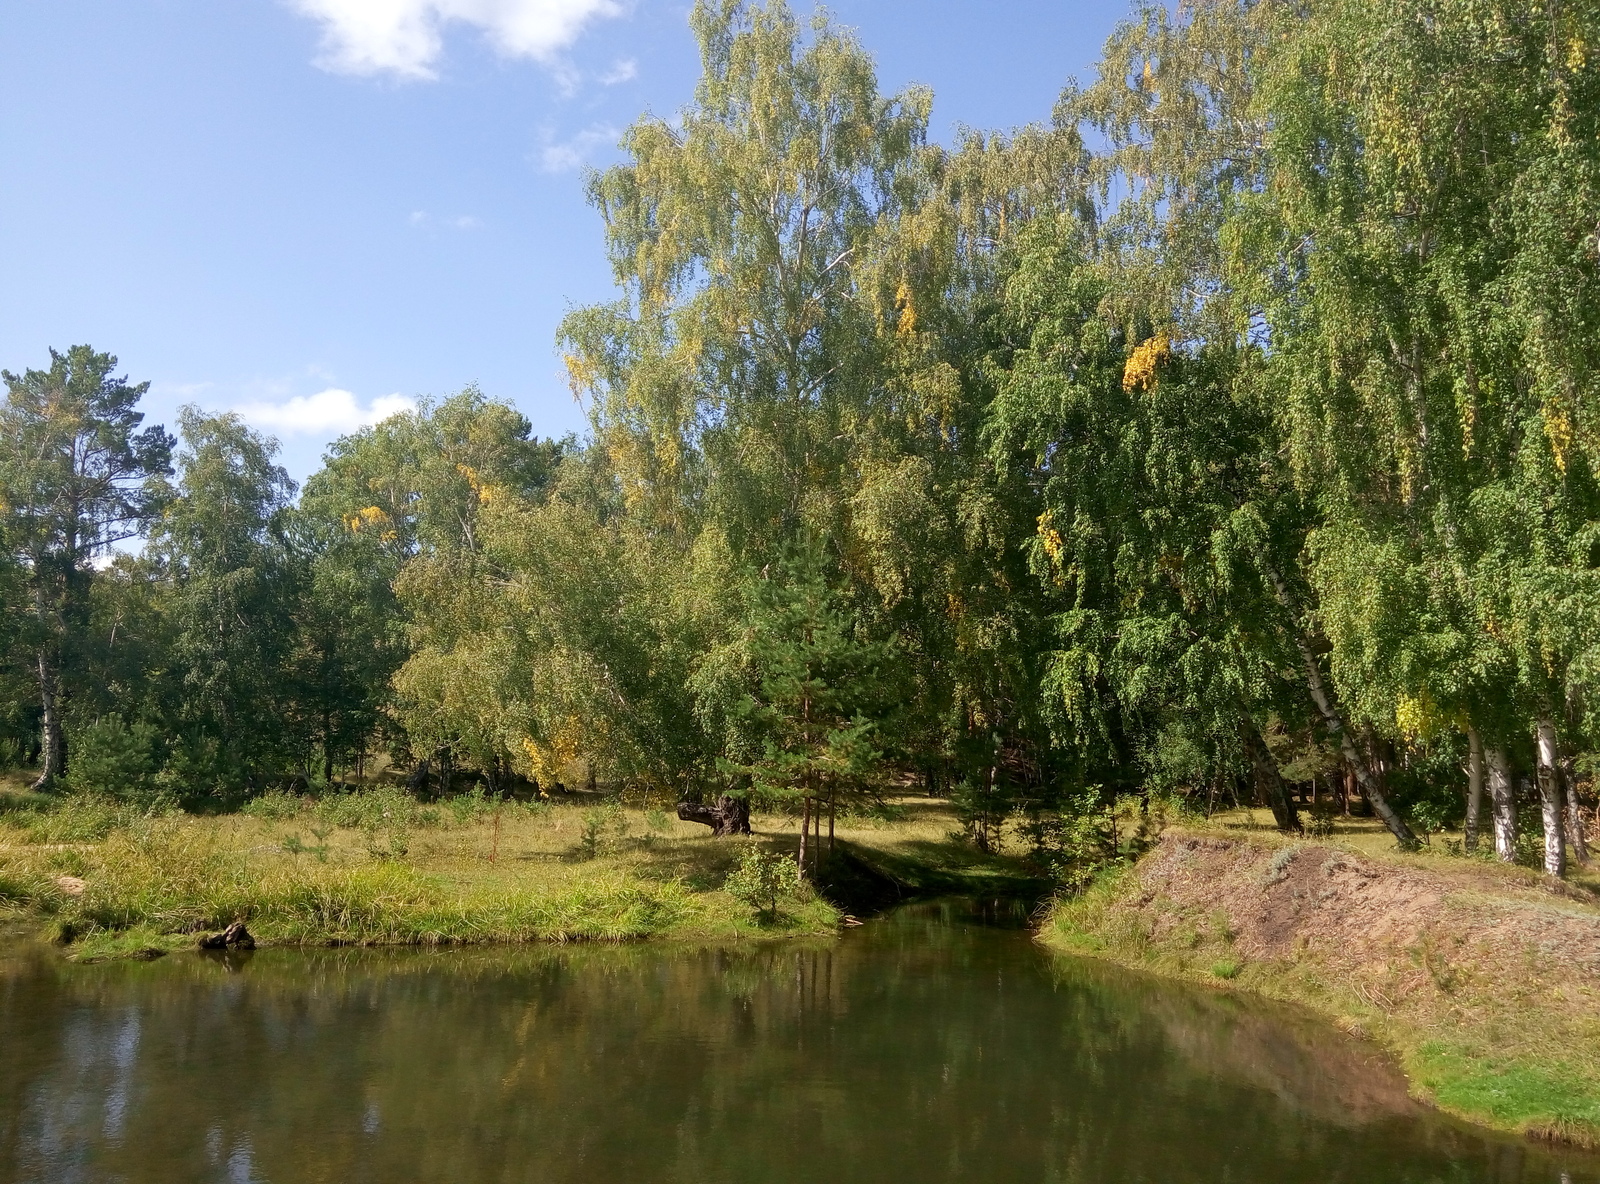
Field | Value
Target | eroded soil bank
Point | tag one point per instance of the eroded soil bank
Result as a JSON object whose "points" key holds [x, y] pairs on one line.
{"points": [[1483, 981]]}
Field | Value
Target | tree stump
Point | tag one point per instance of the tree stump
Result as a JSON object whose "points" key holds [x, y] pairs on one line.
{"points": [[730, 815], [235, 936]]}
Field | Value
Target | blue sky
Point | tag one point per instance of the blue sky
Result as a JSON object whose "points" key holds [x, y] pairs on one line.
{"points": [[317, 210]]}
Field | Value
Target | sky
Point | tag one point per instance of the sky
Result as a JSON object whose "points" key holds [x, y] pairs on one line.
{"points": [[315, 212]]}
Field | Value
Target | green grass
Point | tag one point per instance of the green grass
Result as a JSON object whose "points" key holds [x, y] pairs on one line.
{"points": [[378, 868], [373, 870], [1548, 1099]]}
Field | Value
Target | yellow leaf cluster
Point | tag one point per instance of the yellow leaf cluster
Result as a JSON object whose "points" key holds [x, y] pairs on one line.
{"points": [[369, 517], [1147, 356], [1558, 430], [548, 761], [1054, 544], [908, 311], [1417, 716]]}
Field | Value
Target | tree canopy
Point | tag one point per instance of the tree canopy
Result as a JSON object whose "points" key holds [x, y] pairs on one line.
{"points": [[1231, 431]]}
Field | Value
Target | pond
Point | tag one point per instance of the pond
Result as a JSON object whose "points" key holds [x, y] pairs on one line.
{"points": [[934, 1044]]}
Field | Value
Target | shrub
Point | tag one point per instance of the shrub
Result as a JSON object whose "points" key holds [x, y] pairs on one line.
{"points": [[1090, 835], [1278, 869], [762, 879], [112, 759], [369, 809], [470, 807], [604, 828]]}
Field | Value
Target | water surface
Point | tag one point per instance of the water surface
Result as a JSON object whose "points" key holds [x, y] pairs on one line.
{"points": [[932, 1045]]}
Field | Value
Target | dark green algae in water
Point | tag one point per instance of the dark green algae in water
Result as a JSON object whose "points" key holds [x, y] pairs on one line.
{"points": [[935, 1044]]}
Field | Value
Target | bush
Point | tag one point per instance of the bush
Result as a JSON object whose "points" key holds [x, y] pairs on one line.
{"points": [[471, 806], [373, 809], [762, 879], [604, 828], [111, 759], [1090, 834]]}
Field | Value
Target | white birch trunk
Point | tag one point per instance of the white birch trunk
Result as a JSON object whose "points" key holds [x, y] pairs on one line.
{"points": [[52, 741], [1474, 787], [1555, 845], [1504, 802], [1577, 841]]}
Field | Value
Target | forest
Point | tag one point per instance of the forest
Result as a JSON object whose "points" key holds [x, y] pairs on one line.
{"points": [[1228, 435]]}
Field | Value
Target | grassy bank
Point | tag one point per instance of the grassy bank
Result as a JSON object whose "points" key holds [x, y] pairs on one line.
{"points": [[379, 869], [376, 867], [1483, 980]]}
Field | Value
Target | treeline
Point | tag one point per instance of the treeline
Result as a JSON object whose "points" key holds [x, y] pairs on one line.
{"points": [[1233, 434]]}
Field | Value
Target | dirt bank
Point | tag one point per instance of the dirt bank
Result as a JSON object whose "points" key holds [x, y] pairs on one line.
{"points": [[1485, 982]]}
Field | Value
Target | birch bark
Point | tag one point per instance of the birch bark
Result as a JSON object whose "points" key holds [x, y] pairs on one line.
{"points": [[1504, 803], [1474, 787], [1554, 817]]}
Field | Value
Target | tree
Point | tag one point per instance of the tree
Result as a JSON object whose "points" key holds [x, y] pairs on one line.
{"points": [[399, 506], [77, 477], [1421, 253], [815, 699], [233, 587], [727, 384]]}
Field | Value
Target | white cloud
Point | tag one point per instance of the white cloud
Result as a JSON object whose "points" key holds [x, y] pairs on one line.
{"points": [[404, 37], [329, 411], [625, 70], [562, 156]]}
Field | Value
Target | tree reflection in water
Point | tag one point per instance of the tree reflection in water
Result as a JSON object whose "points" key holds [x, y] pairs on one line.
{"points": [[923, 1047]]}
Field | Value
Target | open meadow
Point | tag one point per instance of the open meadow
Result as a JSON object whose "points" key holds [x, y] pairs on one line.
{"points": [[377, 867]]}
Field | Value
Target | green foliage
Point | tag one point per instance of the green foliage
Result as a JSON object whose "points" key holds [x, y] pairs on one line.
{"points": [[375, 808], [1092, 834], [1255, 445], [113, 759], [76, 478], [809, 717], [604, 829], [275, 806], [472, 806], [764, 879]]}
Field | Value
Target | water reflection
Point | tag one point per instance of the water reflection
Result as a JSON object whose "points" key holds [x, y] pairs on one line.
{"points": [[922, 1047]]}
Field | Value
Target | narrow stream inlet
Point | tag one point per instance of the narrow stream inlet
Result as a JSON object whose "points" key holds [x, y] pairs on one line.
{"points": [[935, 1044]]}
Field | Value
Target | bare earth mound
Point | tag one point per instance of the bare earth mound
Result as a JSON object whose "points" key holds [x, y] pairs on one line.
{"points": [[1485, 983]]}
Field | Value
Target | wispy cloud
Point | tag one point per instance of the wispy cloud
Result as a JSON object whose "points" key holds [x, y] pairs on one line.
{"points": [[623, 70], [421, 218], [404, 38], [560, 156], [329, 411]]}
